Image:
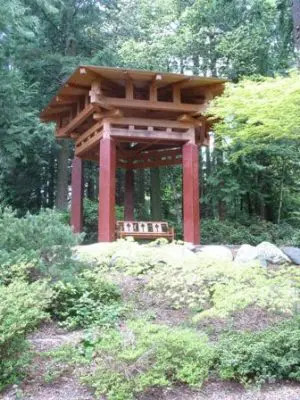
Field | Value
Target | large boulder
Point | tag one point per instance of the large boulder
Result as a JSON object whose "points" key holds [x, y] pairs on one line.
{"points": [[271, 253], [293, 253], [214, 252], [246, 253]]}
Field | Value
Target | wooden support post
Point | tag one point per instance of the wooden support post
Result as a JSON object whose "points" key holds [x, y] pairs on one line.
{"points": [[129, 190], [77, 195], [107, 188], [191, 213]]}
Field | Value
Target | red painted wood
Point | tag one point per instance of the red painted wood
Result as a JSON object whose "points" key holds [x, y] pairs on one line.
{"points": [[191, 213], [77, 195], [107, 188], [129, 191]]}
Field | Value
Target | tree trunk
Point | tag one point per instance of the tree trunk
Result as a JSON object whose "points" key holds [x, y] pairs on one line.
{"points": [[209, 207], [296, 27], [281, 193], [61, 201], [156, 213], [51, 180], [140, 194]]}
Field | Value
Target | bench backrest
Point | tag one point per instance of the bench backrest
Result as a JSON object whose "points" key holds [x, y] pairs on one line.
{"points": [[142, 227]]}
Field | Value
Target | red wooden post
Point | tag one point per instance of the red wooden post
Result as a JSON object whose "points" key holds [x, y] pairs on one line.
{"points": [[107, 188], [77, 195], [191, 213], [128, 200]]}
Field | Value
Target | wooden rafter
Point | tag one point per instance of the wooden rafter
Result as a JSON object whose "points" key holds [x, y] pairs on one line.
{"points": [[75, 122]]}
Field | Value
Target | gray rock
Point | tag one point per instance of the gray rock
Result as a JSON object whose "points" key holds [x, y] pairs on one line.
{"points": [[246, 253], [219, 253], [293, 253], [271, 253]]}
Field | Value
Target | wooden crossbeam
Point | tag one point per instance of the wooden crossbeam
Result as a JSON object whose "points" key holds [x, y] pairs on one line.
{"points": [[155, 123], [150, 164], [150, 154], [138, 134], [152, 105], [88, 139], [75, 122], [78, 89]]}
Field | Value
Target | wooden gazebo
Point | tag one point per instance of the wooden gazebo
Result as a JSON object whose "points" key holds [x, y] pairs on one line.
{"points": [[133, 119]]}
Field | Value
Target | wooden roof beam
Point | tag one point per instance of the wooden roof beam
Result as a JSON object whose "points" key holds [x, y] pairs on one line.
{"points": [[78, 89], [150, 164], [75, 122], [151, 105], [141, 134]]}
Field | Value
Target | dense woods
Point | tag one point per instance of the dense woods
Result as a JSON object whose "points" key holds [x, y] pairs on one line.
{"points": [[125, 320], [251, 172]]}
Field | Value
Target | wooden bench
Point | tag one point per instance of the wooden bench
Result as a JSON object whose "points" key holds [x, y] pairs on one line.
{"points": [[144, 230]]}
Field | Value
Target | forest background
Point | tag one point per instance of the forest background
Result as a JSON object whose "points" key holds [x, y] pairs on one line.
{"points": [[249, 179]]}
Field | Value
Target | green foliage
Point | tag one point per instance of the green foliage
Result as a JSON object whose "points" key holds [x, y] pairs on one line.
{"points": [[87, 300], [218, 289], [267, 109], [144, 355], [36, 245], [252, 232], [22, 307], [90, 229], [262, 356]]}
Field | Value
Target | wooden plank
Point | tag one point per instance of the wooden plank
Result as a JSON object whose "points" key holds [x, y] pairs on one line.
{"points": [[75, 122], [151, 105], [129, 89], [154, 123], [89, 143], [176, 94], [86, 134], [153, 154], [138, 134], [78, 89], [150, 164]]}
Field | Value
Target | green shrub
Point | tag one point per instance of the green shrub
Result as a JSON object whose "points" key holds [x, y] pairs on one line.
{"points": [[263, 356], [252, 232], [87, 300], [22, 307], [218, 289], [146, 355], [90, 209], [44, 241]]}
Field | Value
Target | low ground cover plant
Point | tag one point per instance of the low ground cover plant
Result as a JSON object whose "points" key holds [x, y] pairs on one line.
{"points": [[258, 357], [218, 289], [143, 355], [87, 300], [22, 308]]}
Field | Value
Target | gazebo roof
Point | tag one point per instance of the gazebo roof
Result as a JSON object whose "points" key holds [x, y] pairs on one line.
{"points": [[115, 79]]}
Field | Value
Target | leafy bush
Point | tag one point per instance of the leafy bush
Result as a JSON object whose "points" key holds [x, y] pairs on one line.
{"points": [[88, 300], [144, 356], [90, 209], [44, 241], [217, 289], [22, 307], [253, 232], [262, 356]]}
